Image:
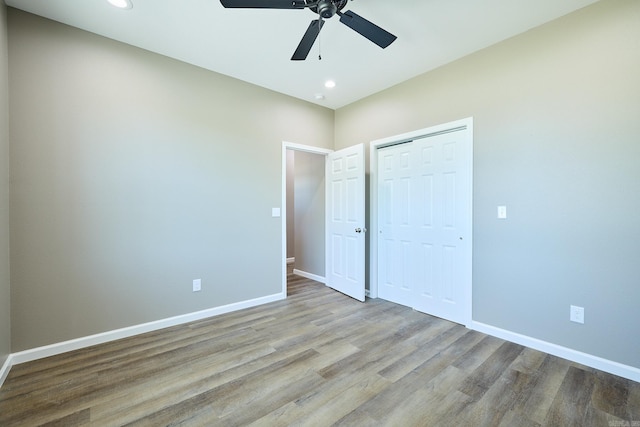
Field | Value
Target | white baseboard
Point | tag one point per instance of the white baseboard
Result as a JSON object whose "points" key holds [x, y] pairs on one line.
{"points": [[291, 260], [586, 359], [78, 343], [6, 367], [605, 365], [309, 275]]}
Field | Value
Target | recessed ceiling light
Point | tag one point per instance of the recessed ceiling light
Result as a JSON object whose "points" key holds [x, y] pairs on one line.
{"points": [[329, 84], [121, 4], [319, 96]]}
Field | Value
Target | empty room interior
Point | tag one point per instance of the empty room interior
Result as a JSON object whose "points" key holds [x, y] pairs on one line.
{"points": [[179, 245]]}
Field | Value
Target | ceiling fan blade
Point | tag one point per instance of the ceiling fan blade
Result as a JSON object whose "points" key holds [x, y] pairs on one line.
{"points": [[368, 29], [308, 40], [264, 4]]}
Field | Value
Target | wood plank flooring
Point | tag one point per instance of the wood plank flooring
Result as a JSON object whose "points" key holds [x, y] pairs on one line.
{"points": [[318, 358]]}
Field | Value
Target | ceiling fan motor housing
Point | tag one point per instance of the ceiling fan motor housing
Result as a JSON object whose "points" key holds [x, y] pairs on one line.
{"points": [[327, 8]]}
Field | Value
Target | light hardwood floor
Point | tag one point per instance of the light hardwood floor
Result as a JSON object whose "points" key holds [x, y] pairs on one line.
{"points": [[318, 358]]}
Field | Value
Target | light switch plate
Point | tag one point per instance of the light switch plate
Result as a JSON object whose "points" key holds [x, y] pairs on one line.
{"points": [[502, 212], [275, 212]]}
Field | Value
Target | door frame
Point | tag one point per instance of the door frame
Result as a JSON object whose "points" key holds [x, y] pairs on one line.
{"points": [[464, 124], [283, 210]]}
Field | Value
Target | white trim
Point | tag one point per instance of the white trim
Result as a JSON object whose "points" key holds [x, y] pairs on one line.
{"points": [[291, 260], [308, 148], [586, 359], [467, 125], [309, 275], [297, 147], [6, 367], [78, 343], [424, 133]]}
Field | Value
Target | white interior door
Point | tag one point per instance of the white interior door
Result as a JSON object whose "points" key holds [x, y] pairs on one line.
{"points": [[424, 225], [396, 252], [345, 217]]}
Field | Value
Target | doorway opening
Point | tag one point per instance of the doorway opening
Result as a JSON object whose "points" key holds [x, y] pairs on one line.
{"points": [[344, 219], [303, 219]]}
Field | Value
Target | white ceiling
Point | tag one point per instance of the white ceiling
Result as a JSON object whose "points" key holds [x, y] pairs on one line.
{"points": [[255, 45]]}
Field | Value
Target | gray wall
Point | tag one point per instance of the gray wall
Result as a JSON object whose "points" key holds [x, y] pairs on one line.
{"points": [[5, 309], [291, 229], [557, 139], [134, 174], [309, 189]]}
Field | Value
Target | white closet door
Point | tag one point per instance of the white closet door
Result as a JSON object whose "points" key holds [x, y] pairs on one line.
{"points": [[424, 255], [443, 204], [396, 222]]}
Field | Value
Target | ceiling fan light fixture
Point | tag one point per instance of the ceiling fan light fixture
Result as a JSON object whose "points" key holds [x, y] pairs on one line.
{"points": [[121, 4]]}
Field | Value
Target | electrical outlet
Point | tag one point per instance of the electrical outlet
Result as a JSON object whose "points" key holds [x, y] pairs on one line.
{"points": [[197, 285], [576, 314]]}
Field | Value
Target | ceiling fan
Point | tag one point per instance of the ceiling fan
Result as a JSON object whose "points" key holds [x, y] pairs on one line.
{"points": [[325, 9]]}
